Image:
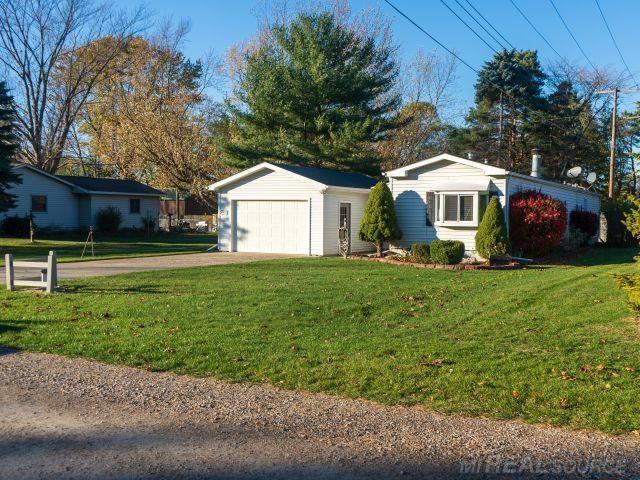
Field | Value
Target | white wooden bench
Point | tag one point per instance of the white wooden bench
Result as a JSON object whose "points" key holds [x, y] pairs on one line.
{"points": [[48, 273]]}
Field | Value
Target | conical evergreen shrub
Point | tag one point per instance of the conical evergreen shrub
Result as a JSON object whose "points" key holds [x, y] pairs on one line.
{"points": [[379, 223], [492, 238]]}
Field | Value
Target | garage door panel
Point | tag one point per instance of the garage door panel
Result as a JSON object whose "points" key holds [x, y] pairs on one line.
{"points": [[273, 226]]}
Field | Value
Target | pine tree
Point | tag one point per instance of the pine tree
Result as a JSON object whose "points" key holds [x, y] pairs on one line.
{"points": [[379, 223], [8, 149], [318, 93], [491, 237]]}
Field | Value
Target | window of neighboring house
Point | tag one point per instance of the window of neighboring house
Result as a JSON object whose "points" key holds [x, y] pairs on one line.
{"points": [[134, 205], [39, 203]]}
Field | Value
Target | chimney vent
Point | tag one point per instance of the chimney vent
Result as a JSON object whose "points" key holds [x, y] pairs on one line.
{"points": [[536, 163]]}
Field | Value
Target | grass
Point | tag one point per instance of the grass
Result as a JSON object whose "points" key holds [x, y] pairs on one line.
{"points": [[552, 345], [68, 246]]}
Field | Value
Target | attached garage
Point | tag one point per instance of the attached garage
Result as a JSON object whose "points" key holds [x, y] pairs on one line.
{"points": [[290, 209]]}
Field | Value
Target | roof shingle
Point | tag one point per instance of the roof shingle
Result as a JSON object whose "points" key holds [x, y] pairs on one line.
{"points": [[332, 178], [113, 185]]}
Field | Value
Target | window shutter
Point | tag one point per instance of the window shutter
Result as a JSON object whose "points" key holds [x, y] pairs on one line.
{"points": [[431, 204]]}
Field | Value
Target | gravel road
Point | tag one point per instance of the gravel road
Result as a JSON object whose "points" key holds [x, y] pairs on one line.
{"points": [[73, 418]]}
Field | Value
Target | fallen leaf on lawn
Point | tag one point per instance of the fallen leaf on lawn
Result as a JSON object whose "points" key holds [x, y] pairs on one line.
{"points": [[607, 386], [585, 368], [564, 403], [515, 394], [629, 369], [600, 367]]}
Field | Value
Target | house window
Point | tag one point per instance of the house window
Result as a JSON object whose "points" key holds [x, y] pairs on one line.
{"points": [[38, 203], [134, 205], [457, 208]]}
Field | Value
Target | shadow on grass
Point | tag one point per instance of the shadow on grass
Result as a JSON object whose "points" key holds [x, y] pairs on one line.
{"points": [[81, 289]]}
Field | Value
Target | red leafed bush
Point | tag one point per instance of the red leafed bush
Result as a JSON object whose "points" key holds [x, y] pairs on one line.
{"points": [[586, 222], [537, 222]]}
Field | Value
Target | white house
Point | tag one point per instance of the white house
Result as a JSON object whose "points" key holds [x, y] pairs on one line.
{"points": [[62, 202], [293, 209], [444, 197], [290, 209]]}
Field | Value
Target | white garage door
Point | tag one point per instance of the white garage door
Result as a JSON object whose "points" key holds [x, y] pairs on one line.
{"points": [[273, 226]]}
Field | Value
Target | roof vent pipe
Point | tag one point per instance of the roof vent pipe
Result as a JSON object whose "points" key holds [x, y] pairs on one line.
{"points": [[471, 156], [536, 163]]}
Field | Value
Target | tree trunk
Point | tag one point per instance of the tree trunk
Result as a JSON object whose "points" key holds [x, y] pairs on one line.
{"points": [[379, 248]]}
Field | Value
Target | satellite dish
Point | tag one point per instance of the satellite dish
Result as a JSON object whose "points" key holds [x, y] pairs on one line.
{"points": [[591, 178], [574, 172]]}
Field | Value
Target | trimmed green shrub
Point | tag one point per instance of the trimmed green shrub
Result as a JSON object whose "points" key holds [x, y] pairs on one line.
{"points": [[15, 226], [108, 219], [379, 223], [491, 237], [616, 213], [420, 252], [447, 252]]}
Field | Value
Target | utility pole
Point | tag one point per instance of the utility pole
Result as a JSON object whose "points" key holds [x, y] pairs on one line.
{"points": [[500, 134], [612, 153], [612, 150]]}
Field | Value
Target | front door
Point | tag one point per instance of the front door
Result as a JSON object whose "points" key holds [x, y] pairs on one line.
{"points": [[345, 220]]}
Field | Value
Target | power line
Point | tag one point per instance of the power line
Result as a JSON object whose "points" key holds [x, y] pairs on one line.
{"points": [[469, 26], [572, 35], [615, 43], [535, 29], [489, 23], [461, 60], [480, 25]]}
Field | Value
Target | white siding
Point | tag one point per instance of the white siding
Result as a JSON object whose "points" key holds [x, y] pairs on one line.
{"points": [[410, 200], [149, 206], [332, 200], [62, 206], [271, 185], [572, 197]]}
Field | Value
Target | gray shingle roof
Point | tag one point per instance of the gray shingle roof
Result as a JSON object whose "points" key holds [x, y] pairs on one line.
{"points": [[332, 178], [114, 185]]}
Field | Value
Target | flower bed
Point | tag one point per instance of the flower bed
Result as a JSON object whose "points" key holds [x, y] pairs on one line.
{"points": [[457, 266]]}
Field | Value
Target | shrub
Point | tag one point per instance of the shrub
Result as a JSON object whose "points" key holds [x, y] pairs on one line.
{"points": [[379, 223], [618, 234], [108, 219], [420, 252], [447, 252], [586, 222], [537, 222], [491, 237], [574, 239], [15, 226], [630, 284], [148, 224]]}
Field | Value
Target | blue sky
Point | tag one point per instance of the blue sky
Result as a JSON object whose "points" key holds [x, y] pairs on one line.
{"points": [[216, 24]]}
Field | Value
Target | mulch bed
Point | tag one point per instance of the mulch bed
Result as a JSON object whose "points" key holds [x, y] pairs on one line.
{"points": [[459, 266]]}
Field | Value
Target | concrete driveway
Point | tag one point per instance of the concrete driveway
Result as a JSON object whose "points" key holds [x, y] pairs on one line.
{"points": [[98, 268]]}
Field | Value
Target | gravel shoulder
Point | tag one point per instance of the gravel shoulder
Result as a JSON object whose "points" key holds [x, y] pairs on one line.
{"points": [[74, 418]]}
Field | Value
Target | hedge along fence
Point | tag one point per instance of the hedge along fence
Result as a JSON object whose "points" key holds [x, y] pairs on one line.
{"points": [[537, 222]]}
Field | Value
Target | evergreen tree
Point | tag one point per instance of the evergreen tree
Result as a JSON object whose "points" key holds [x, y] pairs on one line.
{"points": [[8, 149], [491, 237], [379, 223], [318, 93], [512, 81]]}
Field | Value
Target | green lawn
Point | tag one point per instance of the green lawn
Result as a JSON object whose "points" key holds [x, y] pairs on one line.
{"points": [[69, 246], [552, 345]]}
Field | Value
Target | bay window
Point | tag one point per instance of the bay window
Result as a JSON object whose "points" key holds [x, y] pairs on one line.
{"points": [[457, 208]]}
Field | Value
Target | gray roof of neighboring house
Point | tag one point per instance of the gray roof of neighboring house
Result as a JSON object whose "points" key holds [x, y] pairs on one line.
{"points": [[111, 185], [332, 178]]}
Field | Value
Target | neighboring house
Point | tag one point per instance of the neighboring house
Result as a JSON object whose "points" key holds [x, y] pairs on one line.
{"points": [[444, 197], [290, 209], [63, 202]]}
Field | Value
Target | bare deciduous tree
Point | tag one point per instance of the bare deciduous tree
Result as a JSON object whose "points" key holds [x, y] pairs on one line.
{"points": [[45, 49]]}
